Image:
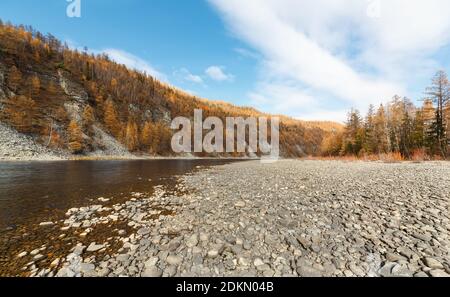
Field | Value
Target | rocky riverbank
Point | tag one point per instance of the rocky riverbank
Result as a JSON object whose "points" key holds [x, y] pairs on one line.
{"points": [[290, 218], [15, 146], [18, 147]]}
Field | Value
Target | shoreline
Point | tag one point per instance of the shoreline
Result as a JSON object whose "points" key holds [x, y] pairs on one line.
{"points": [[188, 158], [290, 218], [118, 158]]}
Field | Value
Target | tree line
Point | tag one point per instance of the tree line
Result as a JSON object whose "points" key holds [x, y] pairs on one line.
{"points": [[399, 127], [63, 96]]}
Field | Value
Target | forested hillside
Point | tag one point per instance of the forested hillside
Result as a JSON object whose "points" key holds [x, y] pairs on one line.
{"points": [[399, 128], [74, 100]]}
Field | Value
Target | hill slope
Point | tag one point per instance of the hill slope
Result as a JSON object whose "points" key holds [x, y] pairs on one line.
{"points": [[90, 105]]}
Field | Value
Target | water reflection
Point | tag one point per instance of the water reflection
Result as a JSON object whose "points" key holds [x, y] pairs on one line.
{"points": [[29, 190]]}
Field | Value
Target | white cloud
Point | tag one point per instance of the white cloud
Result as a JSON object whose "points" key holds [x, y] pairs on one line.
{"points": [[285, 97], [246, 53], [134, 62], [217, 73], [332, 49], [185, 74]]}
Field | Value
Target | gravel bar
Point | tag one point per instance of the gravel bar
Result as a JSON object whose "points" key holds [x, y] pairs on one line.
{"points": [[290, 218]]}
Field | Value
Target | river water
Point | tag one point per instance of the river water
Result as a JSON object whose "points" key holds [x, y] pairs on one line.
{"points": [[31, 190]]}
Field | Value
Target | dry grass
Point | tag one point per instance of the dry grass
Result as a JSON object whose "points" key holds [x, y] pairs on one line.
{"points": [[418, 156], [391, 158]]}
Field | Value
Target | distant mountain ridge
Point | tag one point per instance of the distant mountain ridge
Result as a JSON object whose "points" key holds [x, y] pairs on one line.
{"points": [[70, 100]]}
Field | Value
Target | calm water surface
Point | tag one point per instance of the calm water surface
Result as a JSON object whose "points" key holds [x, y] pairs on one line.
{"points": [[31, 189]]}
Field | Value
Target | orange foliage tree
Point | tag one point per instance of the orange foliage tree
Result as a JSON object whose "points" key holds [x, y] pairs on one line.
{"points": [[111, 119], [35, 86], [131, 136], [21, 111], [14, 78], [75, 136]]}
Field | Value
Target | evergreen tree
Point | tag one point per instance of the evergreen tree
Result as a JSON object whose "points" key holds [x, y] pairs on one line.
{"points": [[439, 93]]}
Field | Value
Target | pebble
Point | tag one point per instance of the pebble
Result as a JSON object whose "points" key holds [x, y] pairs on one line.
{"points": [[301, 218], [433, 263], [93, 247], [174, 260], [152, 271], [22, 254]]}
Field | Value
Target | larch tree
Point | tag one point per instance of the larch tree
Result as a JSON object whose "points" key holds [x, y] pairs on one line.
{"points": [[111, 119], [381, 131], [75, 136], [14, 78], [146, 135], [88, 116], [51, 88], [21, 110], [131, 136], [35, 86], [354, 133], [369, 135]]}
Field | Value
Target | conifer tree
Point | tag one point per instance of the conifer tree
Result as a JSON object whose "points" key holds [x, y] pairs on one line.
{"points": [[35, 86], [75, 137], [111, 118], [14, 78], [131, 136]]}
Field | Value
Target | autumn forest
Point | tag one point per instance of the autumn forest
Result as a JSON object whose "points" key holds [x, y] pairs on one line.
{"points": [[64, 97]]}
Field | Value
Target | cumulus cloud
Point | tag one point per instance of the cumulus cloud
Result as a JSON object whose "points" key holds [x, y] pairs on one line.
{"points": [[134, 62], [185, 74], [217, 73], [327, 55]]}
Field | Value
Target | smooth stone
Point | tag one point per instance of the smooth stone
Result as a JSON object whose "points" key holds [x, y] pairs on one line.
{"points": [[401, 271], [240, 204], [213, 253], [38, 257], [151, 262], [433, 263], [391, 257], [258, 262], [423, 237], [87, 267], [34, 252], [204, 237], [439, 273], [174, 260], [192, 241], [55, 262], [152, 271], [386, 270], [143, 231], [93, 247], [308, 271]]}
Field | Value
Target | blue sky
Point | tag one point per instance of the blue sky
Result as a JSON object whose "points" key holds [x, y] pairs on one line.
{"points": [[283, 56]]}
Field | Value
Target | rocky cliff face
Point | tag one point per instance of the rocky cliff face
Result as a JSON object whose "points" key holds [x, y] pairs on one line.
{"points": [[18, 146], [2, 84]]}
